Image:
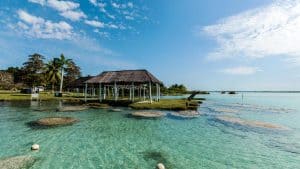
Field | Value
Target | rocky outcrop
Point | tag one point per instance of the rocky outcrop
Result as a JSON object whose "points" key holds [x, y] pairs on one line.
{"points": [[259, 124], [71, 108], [97, 105], [186, 114], [148, 114], [17, 162], [52, 122]]}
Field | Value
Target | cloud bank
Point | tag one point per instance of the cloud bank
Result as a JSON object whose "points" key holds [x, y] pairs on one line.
{"points": [[40, 28], [272, 30], [68, 9]]}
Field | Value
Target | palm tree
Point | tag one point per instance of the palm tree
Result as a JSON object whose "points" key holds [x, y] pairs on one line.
{"points": [[52, 73], [63, 64]]}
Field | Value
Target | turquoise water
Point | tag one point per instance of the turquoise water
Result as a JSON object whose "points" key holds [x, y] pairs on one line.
{"points": [[106, 139]]}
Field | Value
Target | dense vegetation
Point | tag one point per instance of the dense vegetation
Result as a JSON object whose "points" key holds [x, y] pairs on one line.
{"points": [[174, 89], [35, 72]]}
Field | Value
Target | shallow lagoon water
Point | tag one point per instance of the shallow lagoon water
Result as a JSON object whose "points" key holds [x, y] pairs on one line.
{"points": [[106, 139]]}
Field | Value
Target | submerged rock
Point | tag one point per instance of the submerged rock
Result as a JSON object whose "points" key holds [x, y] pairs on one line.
{"points": [[242, 122], [71, 108], [225, 110], [148, 114], [160, 159], [17, 162], [52, 122], [98, 105], [186, 114], [116, 110]]}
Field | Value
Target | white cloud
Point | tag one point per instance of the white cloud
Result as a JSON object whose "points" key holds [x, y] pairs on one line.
{"points": [[94, 23], [62, 5], [129, 17], [45, 29], [26, 17], [41, 2], [112, 26], [130, 4], [94, 2], [115, 5], [73, 15], [272, 30], [241, 70], [68, 9]]}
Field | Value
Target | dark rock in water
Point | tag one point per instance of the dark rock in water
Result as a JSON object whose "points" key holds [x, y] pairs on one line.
{"points": [[44, 109], [71, 108], [52, 122], [231, 92], [147, 114], [97, 105], [186, 114], [17, 162], [257, 124], [158, 157]]}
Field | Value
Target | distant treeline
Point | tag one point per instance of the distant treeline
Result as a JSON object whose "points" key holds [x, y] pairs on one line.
{"points": [[174, 89], [36, 71]]}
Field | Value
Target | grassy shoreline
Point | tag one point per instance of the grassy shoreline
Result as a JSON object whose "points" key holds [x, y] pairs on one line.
{"points": [[163, 104]]}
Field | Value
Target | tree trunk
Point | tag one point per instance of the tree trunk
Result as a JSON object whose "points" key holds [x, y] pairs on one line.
{"points": [[61, 81], [52, 87]]}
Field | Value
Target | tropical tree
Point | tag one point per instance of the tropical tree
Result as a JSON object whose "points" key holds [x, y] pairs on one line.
{"points": [[33, 69], [6, 80], [17, 73], [72, 73], [52, 73], [63, 64]]}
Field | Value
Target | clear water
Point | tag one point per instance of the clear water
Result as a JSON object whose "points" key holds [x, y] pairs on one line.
{"points": [[105, 139]]}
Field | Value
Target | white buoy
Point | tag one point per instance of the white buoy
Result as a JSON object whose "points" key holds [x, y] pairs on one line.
{"points": [[35, 147], [160, 166]]}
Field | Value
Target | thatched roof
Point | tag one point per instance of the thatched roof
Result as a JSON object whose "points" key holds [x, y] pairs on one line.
{"points": [[124, 76], [78, 83]]}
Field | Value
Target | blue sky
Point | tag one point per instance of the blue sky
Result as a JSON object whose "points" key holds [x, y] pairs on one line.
{"points": [[207, 44]]}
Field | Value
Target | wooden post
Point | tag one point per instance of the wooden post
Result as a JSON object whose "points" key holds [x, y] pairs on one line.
{"points": [[157, 92], [108, 92], [104, 93], [100, 92], [85, 91], [94, 91], [115, 91], [140, 92], [150, 92], [132, 91], [144, 93]]}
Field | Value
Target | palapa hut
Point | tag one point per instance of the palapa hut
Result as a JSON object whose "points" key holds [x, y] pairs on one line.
{"points": [[119, 83]]}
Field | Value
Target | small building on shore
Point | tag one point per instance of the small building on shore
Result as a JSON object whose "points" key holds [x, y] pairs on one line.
{"points": [[125, 84]]}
